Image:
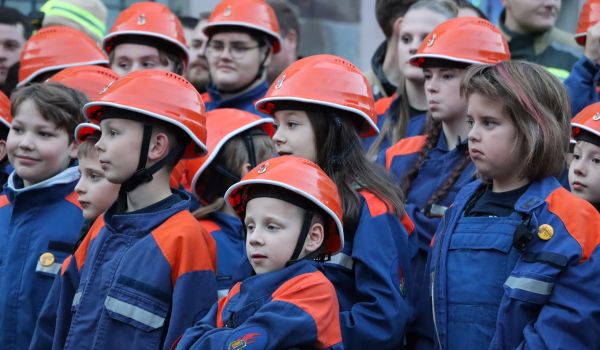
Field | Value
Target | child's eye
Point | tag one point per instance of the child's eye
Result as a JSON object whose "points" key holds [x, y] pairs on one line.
{"points": [[272, 227], [18, 130], [576, 156], [470, 123], [249, 227], [447, 76], [95, 177], [44, 134], [427, 75], [596, 161], [489, 123], [113, 132], [149, 64], [292, 125], [406, 39]]}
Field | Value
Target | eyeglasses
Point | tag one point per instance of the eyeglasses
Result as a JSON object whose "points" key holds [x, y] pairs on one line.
{"points": [[215, 49]]}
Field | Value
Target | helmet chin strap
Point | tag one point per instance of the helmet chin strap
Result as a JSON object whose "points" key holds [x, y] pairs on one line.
{"points": [[308, 216]]}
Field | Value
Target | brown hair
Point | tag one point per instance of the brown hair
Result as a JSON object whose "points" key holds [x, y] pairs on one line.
{"points": [[87, 149], [232, 157], [341, 156], [167, 53], [394, 129], [537, 104], [57, 103], [388, 11]]}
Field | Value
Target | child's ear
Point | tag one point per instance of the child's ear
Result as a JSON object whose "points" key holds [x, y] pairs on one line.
{"points": [[159, 147], [2, 149], [73, 149], [315, 238], [245, 169]]}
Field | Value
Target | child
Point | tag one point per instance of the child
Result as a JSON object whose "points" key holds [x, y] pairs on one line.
{"points": [[403, 114], [584, 171], [321, 104], [292, 214], [237, 141], [515, 262], [54, 48], [5, 121], [432, 168], [88, 79], [40, 217], [95, 193], [582, 83], [242, 36], [133, 282], [146, 35]]}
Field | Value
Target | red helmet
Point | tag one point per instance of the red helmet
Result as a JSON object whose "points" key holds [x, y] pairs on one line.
{"points": [[301, 177], [56, 48], [468, 40], [590, 15], [588, 119], [223, 124], [5, 114], [253, 14], [88, 79], [324, 80], [161, 95], [152, 20], [84, 130]]}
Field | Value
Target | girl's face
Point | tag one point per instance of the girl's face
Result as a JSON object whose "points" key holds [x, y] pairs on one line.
{"points": [[584, 172], [493, 145], [415, 26], [442, 88], [36, 147], [295, 135]]}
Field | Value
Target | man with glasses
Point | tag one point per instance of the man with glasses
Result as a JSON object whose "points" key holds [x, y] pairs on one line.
{"points": [[242, 37]]}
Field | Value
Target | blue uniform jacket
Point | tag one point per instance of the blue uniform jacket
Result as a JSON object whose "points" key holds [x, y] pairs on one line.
{"points": [[486, 293], [232, 262], [42, 220], [582, 84], [244, 101], [137, 281], [295, 307], [369, 277]]}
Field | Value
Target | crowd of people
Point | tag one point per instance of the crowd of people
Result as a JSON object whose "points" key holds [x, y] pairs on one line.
{"points": [[194, 183]]}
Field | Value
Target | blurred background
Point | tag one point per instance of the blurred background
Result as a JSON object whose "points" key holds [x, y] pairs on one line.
{"points": [[343, 27]]}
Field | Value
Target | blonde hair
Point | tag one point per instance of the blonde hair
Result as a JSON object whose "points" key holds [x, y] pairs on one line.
{"points": [[87, 149], [233, 156], [537, 104]]}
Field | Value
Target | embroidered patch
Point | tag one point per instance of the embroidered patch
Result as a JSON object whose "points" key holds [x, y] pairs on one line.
{"points": [[247, 339]]}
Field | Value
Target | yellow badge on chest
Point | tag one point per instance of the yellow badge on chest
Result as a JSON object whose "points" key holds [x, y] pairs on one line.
{"points": [[47, 259], [545, 232]]}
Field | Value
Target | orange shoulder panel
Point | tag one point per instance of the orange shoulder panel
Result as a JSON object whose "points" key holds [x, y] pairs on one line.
{"points": [[405, 146], [209, 225], [65, 263], [185, 245], [72, 198], [4, 200], [81, 252], [408, 224], [376, 206], [313, 293], [579, 217], [232, 292], [383, 104]]}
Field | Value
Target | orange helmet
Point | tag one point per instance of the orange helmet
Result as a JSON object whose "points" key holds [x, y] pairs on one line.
{"points": [[590, 15], [84, 130], [56, 48], [301, 177], [324, 80], [223, 124], [588, 119], [166, 96], [88, 79], [469, 40], [151, 20], [252, 14], [5, 114]]}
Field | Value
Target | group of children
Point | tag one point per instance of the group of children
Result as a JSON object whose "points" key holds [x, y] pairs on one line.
{"points": [[140, 214]]}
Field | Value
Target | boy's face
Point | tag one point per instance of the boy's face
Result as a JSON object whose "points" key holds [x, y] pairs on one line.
{"points": [[129, 58], [37, 149], [294, 135], [272, 230], [95, 192], [584, 172], [12, 39], [119, 148]]}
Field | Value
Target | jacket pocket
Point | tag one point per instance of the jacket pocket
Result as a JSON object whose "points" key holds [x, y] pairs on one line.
{"points": [[136, 310]]}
